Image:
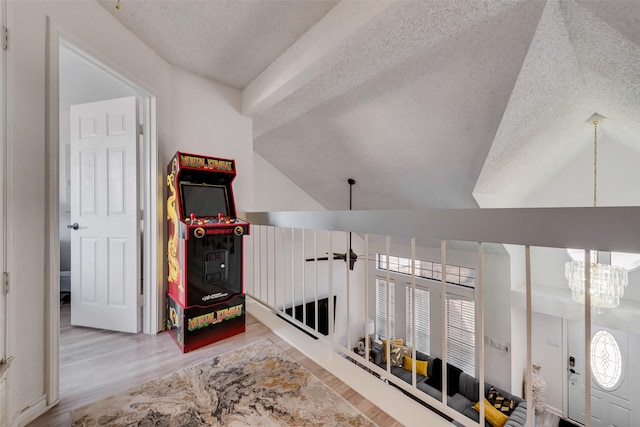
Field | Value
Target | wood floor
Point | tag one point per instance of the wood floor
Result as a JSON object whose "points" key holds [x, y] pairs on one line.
{"points": [[95, 364]]}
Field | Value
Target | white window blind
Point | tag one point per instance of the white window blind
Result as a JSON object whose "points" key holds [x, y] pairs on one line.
{"points": [[381, 309], [423, 321], [461, 335]]}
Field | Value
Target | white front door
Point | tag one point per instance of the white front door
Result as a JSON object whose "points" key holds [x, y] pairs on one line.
{"points": [[105, 242], [612, 392]]}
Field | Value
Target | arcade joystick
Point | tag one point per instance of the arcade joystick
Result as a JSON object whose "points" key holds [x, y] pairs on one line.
{"points": [[193, 217], [219, 216]]}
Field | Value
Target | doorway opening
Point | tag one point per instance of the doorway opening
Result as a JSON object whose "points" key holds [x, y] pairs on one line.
{"points": [[76, 75], [101, 154]]}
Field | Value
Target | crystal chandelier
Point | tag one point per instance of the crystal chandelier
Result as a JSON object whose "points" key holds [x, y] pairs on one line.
{"points": [[607, 281]]}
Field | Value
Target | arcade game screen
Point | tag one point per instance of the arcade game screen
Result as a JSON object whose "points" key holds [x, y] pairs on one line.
{"points": [[204, 200]]}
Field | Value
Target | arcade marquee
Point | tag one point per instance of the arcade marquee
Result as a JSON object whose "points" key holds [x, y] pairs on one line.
{"points": [[205, 297]]}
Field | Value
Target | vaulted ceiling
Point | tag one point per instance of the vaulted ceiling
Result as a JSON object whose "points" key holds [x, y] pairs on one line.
{"points": [[425, 103]]}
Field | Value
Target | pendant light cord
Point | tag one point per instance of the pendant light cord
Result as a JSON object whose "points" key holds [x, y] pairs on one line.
{"points": [[350, 181], [595, 161]]}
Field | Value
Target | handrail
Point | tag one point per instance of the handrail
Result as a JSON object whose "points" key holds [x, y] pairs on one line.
{"points": [[601, 228]]}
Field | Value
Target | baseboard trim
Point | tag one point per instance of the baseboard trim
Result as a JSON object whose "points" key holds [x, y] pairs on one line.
{"points": [[555, 411], [31, 412]]}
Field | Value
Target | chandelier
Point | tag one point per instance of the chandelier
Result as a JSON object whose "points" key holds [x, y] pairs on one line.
{"points": [[607, 281]]}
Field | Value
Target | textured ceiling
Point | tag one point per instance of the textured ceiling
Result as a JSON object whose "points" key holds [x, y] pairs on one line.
{"points": [[228, 41], [577, 64], [425, 103]]}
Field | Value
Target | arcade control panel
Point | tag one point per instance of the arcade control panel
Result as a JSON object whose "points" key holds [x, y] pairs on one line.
{"points": [[218, 225], [218, 220]]}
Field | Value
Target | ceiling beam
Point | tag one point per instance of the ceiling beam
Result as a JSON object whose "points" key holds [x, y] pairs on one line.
{"points": [[303, 60], [351, 45]]}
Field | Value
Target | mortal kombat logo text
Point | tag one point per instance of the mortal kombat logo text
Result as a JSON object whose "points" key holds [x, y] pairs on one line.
{"points": [[195, 162]]}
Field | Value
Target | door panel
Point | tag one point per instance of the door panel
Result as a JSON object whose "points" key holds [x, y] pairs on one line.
{"points": [[620, 416], [105, 248], [117, 272], [87, 183], [88, 261], [116, 189]]}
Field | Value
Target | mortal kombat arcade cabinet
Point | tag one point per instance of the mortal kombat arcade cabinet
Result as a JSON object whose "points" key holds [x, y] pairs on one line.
{"points": [[205, 298]]}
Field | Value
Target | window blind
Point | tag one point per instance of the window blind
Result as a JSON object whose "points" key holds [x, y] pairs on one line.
{"points": [[381, 309], [461, 335], [423, 320]]}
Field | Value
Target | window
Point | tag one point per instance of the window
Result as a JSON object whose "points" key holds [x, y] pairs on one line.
{"points": [[423, 322], [429, 270], [606, 361], [461, 334], [381, 309], [619, 259]]}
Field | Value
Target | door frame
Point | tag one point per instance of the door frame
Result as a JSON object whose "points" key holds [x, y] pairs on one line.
{"points": [[153, 287], [4, 307]]}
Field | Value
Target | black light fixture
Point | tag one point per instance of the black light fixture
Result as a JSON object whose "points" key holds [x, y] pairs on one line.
{"points": [[353, 257]]}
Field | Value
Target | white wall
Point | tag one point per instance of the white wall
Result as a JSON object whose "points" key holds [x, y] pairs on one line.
{"points": [[618, 175], [497, 325], [272, 191], [194, 114], [518, 349], [548, 341], [206, 120]]}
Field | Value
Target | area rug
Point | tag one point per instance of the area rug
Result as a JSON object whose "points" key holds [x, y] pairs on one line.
{"points": [[256, 385]]}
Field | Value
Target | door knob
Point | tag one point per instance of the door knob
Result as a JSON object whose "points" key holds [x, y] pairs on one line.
{"points": [[573, 371], [73, 226]]}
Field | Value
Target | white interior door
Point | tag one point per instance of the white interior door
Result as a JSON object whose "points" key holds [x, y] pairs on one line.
{"points": [[105, 244], [612, 391]]}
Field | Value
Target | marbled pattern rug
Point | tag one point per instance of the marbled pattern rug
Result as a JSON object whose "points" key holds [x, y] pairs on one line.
{"points": [[256, 385]]}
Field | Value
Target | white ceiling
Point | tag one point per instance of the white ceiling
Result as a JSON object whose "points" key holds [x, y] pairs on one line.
{"points": [[425, 103], [228, 41]]}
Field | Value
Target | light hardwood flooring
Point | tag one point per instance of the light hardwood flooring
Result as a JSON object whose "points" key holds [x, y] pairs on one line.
{"points": [[95, 364]]}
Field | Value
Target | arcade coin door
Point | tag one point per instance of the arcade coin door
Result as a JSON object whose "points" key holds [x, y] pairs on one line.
{"points": [[205, 298]]}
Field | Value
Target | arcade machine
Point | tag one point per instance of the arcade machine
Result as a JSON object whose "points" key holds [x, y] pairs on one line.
{"points": [[205, 298]]}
